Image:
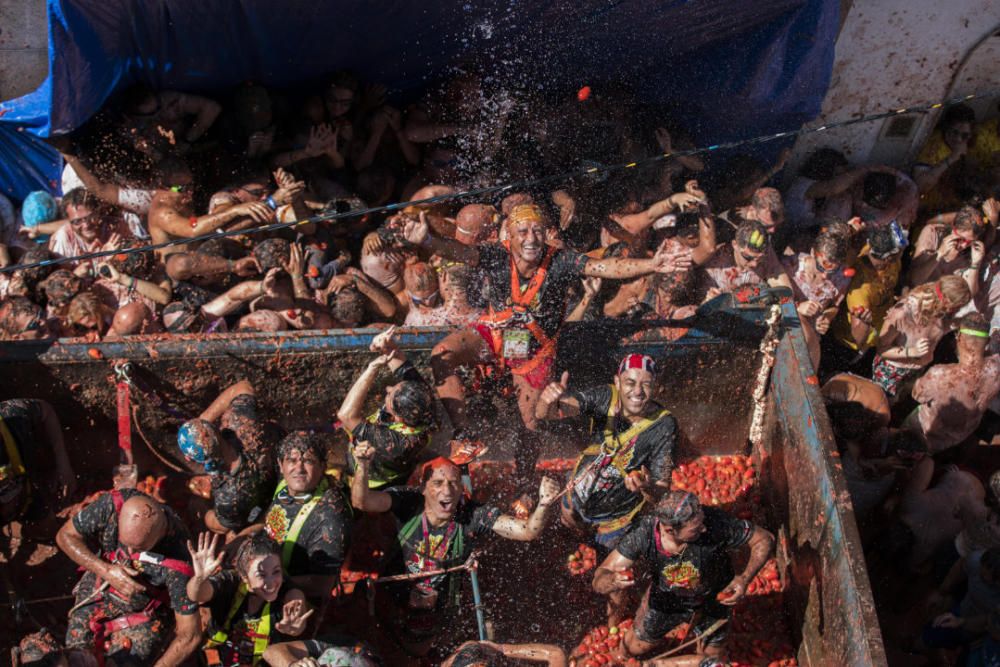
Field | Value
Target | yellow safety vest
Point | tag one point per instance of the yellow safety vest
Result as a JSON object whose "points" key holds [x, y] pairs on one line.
{"points": [[260, 630]]}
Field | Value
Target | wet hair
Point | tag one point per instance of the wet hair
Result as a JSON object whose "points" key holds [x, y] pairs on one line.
{"points": [[954, 293], [955, 114], [83, 305], [881, 241], [428, 468], [60, 287], [413, 403], [459, 277], [348, 306], [169, 167], [420, 277], [822, 164], [836, 227], [676, 508], [33, 276], [833, 246], [258, 545], [977, 322], [751, 229], [303, 442], [78, 197], [271, 253], [137, 264], [878, 188], [969, 218], [767, 199], [12, 308]]}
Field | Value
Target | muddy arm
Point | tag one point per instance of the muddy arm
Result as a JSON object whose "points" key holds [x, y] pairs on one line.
{"points": [[225, 399], [187, 638]]}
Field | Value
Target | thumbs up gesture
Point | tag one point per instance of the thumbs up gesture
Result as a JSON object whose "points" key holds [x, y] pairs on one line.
{"points": [[555, 390]]}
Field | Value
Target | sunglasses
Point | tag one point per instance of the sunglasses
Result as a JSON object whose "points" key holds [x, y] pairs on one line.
{"points": [[422, 301], [750, 259]]}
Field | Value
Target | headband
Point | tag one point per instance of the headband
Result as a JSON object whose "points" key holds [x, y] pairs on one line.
{"points": [[974, 332], [643, 362], [524, 213]]}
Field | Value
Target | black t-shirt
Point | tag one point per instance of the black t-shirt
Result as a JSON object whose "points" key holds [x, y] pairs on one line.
{"points": [[23, 418], [396, 452], [549, 306], [240, 497], [472, 520], [599, 489], [225, 585], [322, 543], [98, 523], [687, 580]]}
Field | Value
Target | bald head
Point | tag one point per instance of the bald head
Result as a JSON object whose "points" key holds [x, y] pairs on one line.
{"points": [[475, 223], [141, 524], [130, 318]]}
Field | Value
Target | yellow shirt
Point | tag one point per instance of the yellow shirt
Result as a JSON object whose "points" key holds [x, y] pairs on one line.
{"points": [[934, 152], [985, 151], [869, 289]]}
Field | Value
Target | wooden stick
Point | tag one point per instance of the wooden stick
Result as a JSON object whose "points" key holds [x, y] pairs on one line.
{"points": [[708, 632]]}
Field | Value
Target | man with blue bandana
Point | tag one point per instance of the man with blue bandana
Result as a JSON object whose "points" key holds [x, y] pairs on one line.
{"points": [[236, 455]]}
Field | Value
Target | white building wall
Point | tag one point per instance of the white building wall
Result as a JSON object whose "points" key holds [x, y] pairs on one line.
{"points": [[896, 53]]}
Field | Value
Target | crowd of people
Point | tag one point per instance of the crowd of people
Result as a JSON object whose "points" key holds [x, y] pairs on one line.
{"points": [[893, 272]]}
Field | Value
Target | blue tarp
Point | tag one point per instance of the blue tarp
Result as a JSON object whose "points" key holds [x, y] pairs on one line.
{"points": [[740, 68]]}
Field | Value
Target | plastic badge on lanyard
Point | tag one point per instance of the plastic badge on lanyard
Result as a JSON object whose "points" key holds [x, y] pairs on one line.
{"points": [[516, 343]]}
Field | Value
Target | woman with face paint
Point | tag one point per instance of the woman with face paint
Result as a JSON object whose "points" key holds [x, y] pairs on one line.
{"points": [[246, 615]]}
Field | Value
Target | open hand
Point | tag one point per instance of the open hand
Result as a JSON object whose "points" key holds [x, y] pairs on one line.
{"points": [[204, 559], [294, 617]]}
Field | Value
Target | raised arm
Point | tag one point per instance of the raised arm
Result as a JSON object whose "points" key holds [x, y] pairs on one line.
{"points": [[205, 560], [225, 399], [351, 412], [382, 301], [417, 233], [175, 224], [236, 296], [363, 498], [554, 403], [526, 530], [204, 110], [664, 261], [107, 192]]}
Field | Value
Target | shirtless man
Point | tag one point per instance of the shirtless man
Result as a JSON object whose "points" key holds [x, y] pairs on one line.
{"points": [[954, 397], [748, 260], [171, 214], [527, 294]]}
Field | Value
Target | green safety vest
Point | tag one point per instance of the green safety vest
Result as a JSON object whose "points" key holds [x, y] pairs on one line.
{"points": [[259, 630]]}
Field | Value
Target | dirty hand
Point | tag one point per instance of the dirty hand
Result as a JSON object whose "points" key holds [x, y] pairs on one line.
{"points": [[107, 268], [808, 309], [555, 390], [363, 453], [864, 314], [622, 579], [921, 347], [668, 260], [415, 231], [257, 211], [693, 189], [991, 209], [204, 559], [638, 481], [372, 245], [547, 491], [732, 593], [592, 286], [683, 201], [948, 249], [120, 578], [287, 193], [383, 342], [115, 242], [381, 360], [245, 267], [283, 178], [294, 616], [321, 138], [822, 324], [293, 266]]}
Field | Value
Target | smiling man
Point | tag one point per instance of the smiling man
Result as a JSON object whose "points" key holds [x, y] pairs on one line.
{"points": [[437, 527], [309, 517]]}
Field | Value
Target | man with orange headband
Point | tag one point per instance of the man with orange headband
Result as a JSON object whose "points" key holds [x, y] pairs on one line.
{"points": [[954, 397], [437, 528], [528, 285]]}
